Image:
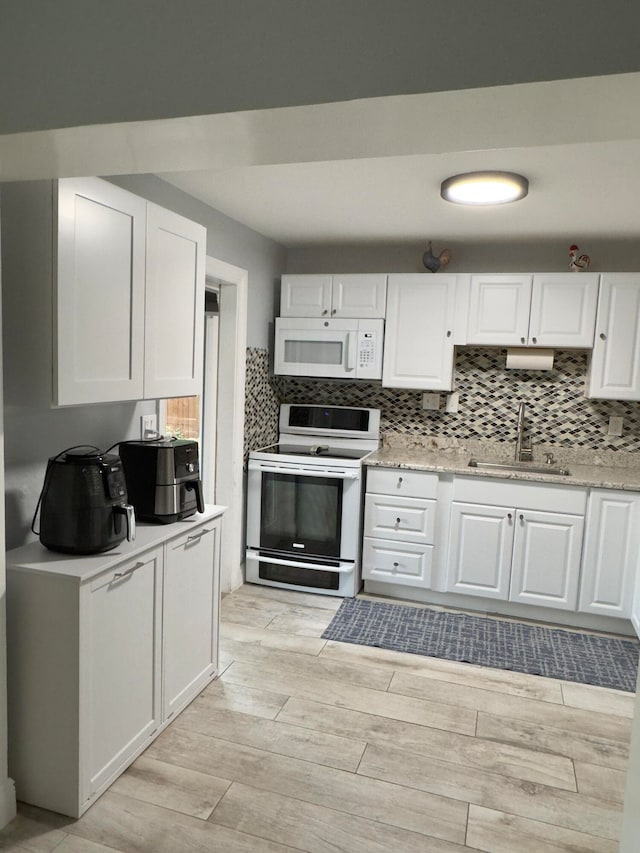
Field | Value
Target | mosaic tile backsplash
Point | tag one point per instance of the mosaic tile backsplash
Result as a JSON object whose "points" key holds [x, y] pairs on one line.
{"points": [[557, 410]]}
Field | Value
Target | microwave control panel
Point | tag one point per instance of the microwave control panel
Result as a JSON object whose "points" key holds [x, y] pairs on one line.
{"points": [[369, 355]]}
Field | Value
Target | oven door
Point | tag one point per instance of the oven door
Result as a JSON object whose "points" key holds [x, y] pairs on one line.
{"points": [[303, 525]]}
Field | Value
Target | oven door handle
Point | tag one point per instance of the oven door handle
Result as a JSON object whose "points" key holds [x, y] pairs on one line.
{"points": [[304, 472], [343, 568]]}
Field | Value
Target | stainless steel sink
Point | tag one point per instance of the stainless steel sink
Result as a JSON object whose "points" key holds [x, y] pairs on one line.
{"points": [[523, 467]]}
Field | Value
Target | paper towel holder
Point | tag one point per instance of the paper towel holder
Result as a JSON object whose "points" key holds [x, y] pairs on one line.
{"points": [[529, 358]]}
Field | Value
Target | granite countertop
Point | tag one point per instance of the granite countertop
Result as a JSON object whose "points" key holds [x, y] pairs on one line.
{"points": [[604, 469]]}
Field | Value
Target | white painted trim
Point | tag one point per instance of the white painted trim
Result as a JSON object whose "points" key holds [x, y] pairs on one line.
{"points": [[230, 423]]}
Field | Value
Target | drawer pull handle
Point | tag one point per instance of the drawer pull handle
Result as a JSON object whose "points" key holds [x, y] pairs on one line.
{"points": [[130, 571], [196, 537]]}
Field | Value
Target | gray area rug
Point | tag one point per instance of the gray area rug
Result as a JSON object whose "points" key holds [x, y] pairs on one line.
{"points": [[500, 643]]}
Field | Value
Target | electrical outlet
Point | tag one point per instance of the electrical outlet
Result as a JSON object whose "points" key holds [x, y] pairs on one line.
{"points": [[431, 401], [148, 426], [452, 402], [615, 426]]}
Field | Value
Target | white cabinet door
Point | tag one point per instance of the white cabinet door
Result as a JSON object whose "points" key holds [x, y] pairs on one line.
{"points": [[305, 296], [611, 554], [120, 670], [397, 562], [359, 295], [418, 348], [191, 590], [174, 305], [499, 310], [99, 293], [563, 310], [480, 546], [615, 362], [546, 559]]}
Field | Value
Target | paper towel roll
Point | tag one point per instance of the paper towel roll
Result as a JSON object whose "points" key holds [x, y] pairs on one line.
{"points": [[528, 358]]}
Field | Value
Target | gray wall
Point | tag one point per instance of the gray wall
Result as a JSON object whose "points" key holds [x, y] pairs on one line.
{"points": [[606, 256], [76, 62], [228, 241]]}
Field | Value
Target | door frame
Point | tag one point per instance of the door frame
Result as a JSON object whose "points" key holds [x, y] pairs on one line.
{"points": [[229, 479]]}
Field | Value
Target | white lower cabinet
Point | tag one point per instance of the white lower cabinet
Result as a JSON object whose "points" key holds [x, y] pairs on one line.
{"points": [[399, 526], [120, 622], [103, 651], [512, 549], [190, 616], [612, 553], [481, 542]]}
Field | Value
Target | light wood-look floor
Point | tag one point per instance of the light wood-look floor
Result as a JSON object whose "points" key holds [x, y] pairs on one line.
{"points": [[304, 744]]}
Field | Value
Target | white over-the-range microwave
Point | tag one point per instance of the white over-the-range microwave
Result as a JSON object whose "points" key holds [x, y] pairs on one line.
{"points": [[335, 349]]}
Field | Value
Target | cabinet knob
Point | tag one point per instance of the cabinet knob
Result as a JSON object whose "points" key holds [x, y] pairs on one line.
{"points": [[324, 312], [399, 480], [534, 340], [397, 521], [333, 310], [603, 337], [521, 517], [395, 565], [509, 516], [522, 340], [448, 333]]}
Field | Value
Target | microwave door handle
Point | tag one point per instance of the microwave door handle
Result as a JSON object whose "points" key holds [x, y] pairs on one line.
{"points": [[350, 350]]}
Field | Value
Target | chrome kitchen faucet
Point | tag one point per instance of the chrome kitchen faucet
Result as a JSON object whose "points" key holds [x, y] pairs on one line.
{"points": [[524, 450]]}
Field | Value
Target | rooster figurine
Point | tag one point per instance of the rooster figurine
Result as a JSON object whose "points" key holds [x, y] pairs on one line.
{"points": [[578, 262], [436, 262]]}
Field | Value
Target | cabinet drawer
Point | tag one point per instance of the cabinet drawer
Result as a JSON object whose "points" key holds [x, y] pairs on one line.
{"points": [[400, 481], [401, 563], [404, 519]]}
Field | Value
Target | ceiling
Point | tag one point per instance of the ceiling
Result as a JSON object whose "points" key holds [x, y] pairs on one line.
{"points": [[589, 189], [578, 143], [370, 169]]}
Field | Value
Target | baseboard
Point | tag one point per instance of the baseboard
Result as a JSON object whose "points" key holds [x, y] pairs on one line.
{"points": [[7, 801]]}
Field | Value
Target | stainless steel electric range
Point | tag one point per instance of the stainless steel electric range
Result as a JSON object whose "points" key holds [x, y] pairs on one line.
{"points": [[304, 500]]}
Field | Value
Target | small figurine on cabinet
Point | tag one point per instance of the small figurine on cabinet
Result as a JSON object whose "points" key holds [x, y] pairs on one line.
{"points": [[577, 262], [436, 262]]}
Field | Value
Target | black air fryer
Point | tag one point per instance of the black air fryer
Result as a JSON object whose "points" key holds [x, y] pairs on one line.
{"points": [[163, 479], [84, 507]]}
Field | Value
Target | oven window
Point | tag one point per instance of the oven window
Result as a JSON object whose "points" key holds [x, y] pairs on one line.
{"points": [[301, 515], [313, 352]]}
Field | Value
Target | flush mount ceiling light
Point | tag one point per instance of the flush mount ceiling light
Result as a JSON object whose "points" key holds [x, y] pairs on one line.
{"points": [[484, 188]]}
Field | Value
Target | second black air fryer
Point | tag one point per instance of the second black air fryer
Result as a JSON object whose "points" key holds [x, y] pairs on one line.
{"points": [[163, 479]]}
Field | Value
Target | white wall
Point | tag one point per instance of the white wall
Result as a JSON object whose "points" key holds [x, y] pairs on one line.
{"points": [[77, 62]]}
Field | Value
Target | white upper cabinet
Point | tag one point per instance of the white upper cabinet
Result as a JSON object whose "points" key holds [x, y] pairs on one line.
{"points": [[361, 295], [544, 310], [499, 310], [418, 348], [99, 293], [128, 297], [615, 362], [174, 305], [563, 310]]}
